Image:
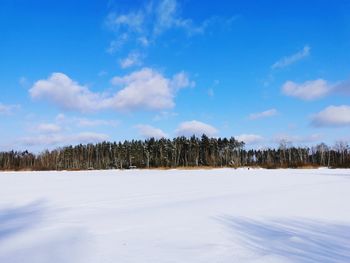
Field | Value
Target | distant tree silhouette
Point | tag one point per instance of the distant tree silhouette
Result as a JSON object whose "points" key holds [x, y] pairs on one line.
{"points": [[178, 152]]}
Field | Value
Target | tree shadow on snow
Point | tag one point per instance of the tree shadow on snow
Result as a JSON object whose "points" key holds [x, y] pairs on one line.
{"points": [[16, 220], [25, 237], [296, 240]]}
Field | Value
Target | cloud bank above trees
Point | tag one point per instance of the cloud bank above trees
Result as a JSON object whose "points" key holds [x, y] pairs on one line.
{"points": [[144, 89]]}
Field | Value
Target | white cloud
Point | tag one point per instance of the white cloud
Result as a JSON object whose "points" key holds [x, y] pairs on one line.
{"points": [[309, 90], [148, 89], [66, 93], [89, 137], [197, 128], [287, 138], [181, 80], [7, 109], [48, 128], [151, 19], [342, 88], [165, 115], [145, 24], [92, 123], [63, 121], [332, 116], [148, 131], [61, 139], [23, 81], [250, 138], [133, 21], [211, 92], [102, 73], [133, 59], [60, 117], [264, 114], [143, 89], [167, 17], [118, 43], [143, 41], [286, 61]]}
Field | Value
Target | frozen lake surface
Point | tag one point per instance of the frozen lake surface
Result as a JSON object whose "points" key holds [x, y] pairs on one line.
{"points": [[220, 215]]}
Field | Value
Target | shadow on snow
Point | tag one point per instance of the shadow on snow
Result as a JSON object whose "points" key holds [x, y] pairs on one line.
{"points": [[16, 220], [295, 240], [25, 237]]}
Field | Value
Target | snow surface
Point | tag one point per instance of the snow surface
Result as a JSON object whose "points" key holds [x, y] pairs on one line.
{"points": [[220, 215]]}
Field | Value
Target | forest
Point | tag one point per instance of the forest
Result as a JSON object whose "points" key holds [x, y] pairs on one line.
{"points": [[176, 153]]}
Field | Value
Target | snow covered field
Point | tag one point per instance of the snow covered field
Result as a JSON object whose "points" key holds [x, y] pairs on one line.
{"points": [[220, 215]]}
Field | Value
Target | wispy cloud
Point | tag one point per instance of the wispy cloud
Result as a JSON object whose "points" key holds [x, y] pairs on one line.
{"points": [[286, 61], [211, 89], [48, 128], [23, 81], [102, 73], [118, 43], [133, 59], [144, 25], [8, 109], [165, 115], [264, 114], [84, 122]]}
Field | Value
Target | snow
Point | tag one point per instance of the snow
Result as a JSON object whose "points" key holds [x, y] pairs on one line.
{"points": [[219, 215]]}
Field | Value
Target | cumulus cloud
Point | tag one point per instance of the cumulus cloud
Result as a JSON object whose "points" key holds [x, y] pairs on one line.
{"points": [[143, 89], [66, 93], [309, 90], [332, 116], [148, 89], [250, 138], [286, 61], [7, 109], [148, 131], [264, 114], [197, 128]]}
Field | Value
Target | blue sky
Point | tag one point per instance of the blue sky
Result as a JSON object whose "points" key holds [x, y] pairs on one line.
{"points": [[86, 71]]}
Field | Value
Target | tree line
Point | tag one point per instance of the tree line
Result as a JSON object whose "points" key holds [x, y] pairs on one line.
{"points": [[178, 152]]}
